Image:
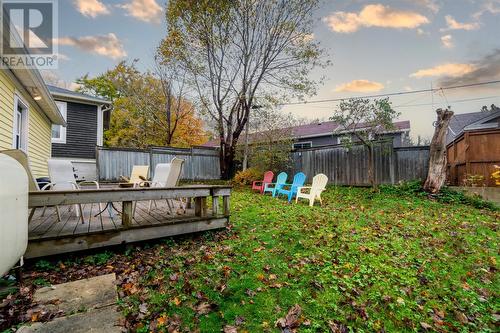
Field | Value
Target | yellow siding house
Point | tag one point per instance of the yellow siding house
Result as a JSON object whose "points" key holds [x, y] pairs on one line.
{"points": [[27, 112]]}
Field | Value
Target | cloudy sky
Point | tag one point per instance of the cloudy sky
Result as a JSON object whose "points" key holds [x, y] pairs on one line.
{"points": [[375, 47]]}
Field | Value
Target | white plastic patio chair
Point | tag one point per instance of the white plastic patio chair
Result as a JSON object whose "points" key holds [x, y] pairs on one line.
{"points": [[173, 178], [162, 171], [62, 178], [318, 185], [166, 175], [139, 174]]}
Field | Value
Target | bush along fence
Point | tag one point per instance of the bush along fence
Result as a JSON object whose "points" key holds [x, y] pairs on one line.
{"points": [[349, 165], [200, 163]]}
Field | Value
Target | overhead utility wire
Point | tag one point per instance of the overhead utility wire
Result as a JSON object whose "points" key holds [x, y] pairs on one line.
{"points": [[393, 94], [450, 102]]}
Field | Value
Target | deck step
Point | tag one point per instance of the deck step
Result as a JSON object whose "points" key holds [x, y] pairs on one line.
{"points": [[89, 305]]}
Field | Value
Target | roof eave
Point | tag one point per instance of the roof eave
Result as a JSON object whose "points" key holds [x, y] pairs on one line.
{"points": [[81, 99], [31, 80]]}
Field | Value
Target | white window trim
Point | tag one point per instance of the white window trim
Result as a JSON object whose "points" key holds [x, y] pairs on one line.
{"points": [[301, 143], [18, 100], [64, 113]]}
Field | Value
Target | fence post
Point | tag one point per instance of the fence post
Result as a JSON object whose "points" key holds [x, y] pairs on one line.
{"points": [[98, 171], [191, 166], [392, 162], [151, 167]]}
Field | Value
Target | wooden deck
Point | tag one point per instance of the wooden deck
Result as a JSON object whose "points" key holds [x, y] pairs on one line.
{"points": [[49, 236]]}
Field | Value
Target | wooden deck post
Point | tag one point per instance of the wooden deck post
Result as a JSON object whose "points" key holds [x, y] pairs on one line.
{"points": [[200, 206], [127, 213], [215, 205], [225, 203]]}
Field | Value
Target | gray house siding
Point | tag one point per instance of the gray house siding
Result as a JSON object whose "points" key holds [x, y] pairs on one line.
{"points": [[398, 139], [81, 132]]}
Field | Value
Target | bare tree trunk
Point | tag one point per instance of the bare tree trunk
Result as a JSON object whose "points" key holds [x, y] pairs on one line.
{"points": [[226, 159], [245, 154], [437, 161]]}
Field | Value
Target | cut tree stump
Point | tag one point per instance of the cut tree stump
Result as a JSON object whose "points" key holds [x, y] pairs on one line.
{"points": [[437, 160]]}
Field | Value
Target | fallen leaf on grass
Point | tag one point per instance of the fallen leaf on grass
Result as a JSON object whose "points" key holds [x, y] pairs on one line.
{"points": [[143, 308], [130, 288], [204, 308], [161, 320], [461, 317], [230, 329], [239, 320], [291, 320], [425, 326], [337, 327]]}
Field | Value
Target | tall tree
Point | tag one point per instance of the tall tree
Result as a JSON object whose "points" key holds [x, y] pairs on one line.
{"points": [[270, 140], [148, 109], [237, 51], [366, 120], [437, 160]]}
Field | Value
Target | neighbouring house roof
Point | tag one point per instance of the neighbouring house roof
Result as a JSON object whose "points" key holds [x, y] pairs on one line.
{"points": [[71, 95], [322, 129], [34, 85], [469, 121]]}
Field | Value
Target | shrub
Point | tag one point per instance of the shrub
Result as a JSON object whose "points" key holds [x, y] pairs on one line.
{"points": [[446, 195], [247, 177]]}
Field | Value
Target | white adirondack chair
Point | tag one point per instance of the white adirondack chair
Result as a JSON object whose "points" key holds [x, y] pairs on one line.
{"points": [[62, 178], [318, 185]]}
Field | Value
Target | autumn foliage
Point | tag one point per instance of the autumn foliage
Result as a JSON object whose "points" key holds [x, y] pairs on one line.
{"points": [[141, 110]]}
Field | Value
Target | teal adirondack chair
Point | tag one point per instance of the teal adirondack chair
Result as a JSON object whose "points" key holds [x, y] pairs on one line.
{"points": [[291, 189], [274, 187]]}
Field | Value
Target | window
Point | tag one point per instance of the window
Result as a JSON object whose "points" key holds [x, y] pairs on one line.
{"points": [[58, 131], [302, 145], [20, 129]]}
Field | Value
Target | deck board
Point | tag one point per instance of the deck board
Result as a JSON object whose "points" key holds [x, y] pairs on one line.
{"points": [[48, 236]]}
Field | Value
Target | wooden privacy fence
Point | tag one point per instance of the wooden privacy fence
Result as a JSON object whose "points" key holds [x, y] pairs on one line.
{"points": [[349, 166], [474, 153], [200, 163]]}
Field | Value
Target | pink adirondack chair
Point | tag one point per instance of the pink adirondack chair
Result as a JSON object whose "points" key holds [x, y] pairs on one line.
{"points": [[260, 184]]}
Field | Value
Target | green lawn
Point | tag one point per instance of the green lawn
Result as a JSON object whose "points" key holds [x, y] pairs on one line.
{"points": [[363, 262]]}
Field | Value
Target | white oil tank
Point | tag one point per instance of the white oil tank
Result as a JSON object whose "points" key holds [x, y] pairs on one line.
{"points": [[13, 212]]}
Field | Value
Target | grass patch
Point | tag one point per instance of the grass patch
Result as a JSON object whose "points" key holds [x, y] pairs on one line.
{"points": [[366, 261]]}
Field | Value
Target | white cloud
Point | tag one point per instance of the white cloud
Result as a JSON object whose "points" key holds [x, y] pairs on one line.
{"points": [[448, 70], [144, 10], [485, 69], [61, 56], [360, 86], [431, 5], [452, 24], [447, 41], [52, 77], [106, 45], [492, 7], [376, 15], [91, 8]]}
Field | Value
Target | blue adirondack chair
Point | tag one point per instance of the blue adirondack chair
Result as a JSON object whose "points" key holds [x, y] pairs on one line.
{"points": [[291, 189], [274, 187]]}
